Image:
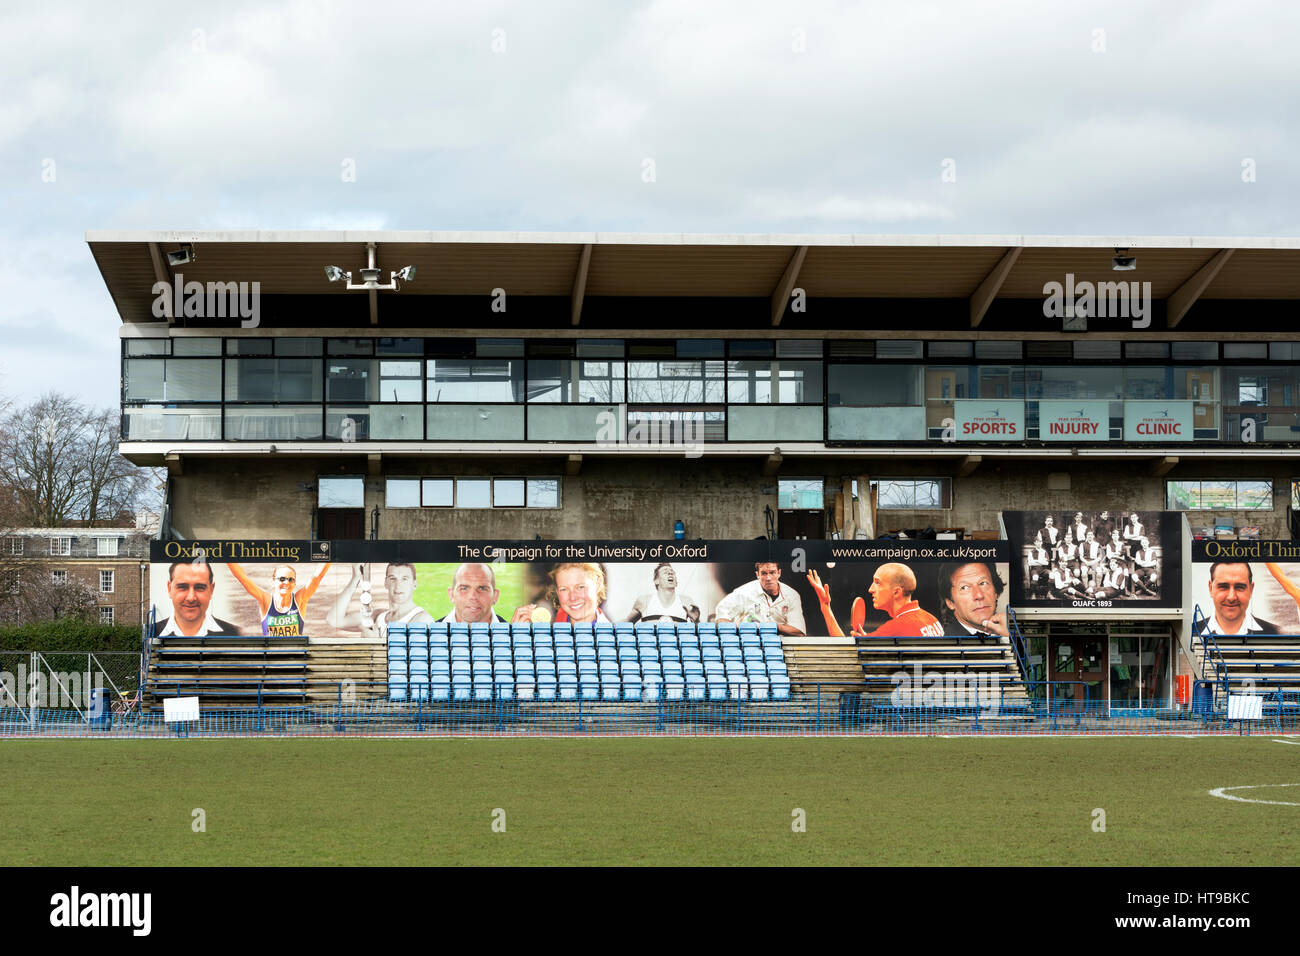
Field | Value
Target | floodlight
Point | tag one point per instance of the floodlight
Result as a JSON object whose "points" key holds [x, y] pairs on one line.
{"points": [[1123, 262], [181, 256], [406, 274], [370, 275], [334, 274]]}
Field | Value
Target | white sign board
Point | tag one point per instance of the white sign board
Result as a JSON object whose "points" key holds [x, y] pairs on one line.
{"points": [[980, 420], [176, 709], [1147, 421], [1245, 707], [1073, 421]]}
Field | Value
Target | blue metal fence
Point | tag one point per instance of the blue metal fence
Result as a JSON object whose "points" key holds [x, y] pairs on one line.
{"points": [[349, 709]]}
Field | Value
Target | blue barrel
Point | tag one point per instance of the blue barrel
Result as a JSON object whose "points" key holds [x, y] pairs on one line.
{"points": [[101, 712], [1202, 698]]}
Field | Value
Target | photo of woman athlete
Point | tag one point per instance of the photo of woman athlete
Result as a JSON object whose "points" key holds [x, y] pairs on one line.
{"points": [[283, 610]]}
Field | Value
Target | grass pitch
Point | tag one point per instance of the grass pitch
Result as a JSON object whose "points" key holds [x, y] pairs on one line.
{"points": [[647, 801]]}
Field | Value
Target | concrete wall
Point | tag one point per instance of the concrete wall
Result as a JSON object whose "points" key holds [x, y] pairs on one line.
{"points": [[641, 498]]}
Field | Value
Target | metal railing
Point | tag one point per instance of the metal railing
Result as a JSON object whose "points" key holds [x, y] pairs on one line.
{"points": [[270, 707]]}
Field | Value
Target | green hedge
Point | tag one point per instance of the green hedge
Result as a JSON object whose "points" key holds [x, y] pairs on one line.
{"points": [[70, 634]]}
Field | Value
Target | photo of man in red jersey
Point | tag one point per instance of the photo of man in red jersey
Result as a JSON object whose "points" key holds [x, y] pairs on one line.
{"points": [[891, 591]]}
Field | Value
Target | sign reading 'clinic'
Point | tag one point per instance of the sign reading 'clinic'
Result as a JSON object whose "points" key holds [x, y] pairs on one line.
{"points": [[1159, 421]]}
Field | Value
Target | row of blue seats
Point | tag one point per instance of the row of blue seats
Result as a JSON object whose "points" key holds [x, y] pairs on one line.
{"points": [[627, 670], [689, 689], [397, 632]]}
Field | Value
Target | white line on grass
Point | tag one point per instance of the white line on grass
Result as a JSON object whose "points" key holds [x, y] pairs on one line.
{"points": [[1223, 792]]}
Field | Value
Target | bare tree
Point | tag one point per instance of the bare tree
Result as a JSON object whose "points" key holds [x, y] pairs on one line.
{"points": [[59, 463]]}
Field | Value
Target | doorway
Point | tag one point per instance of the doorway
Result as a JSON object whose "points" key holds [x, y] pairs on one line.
{"points": [[1079, 662], [800, 523]]}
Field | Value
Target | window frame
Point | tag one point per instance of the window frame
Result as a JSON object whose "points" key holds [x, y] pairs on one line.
{"points": [[111, 580], [944, 483], [60, 546], [1172, 505]]}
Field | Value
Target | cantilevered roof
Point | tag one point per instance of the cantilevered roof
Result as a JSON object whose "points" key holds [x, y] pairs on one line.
{"points": [[577, 265]]}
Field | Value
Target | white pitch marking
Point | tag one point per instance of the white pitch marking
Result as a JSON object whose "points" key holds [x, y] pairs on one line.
{"points": [[1294, 743], [1222, 792]]}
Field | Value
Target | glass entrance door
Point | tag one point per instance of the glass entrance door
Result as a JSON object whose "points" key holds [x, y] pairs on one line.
{"points": [[1079, 663]]}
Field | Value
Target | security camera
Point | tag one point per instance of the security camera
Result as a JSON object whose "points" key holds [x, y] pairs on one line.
{"points": [[370, 275], [182, 256]]}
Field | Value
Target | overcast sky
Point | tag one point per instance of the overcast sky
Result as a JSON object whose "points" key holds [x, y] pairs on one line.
{"points": [[758, 116]]}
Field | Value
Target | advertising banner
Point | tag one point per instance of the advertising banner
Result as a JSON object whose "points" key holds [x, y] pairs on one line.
{"points": [[352, 589], [1163, 421], [1073, 421], [980, 420], [1095, 559], [1247, 588]]}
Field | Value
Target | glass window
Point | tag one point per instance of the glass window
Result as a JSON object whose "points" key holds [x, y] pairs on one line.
{"points": [[750, 348], [249, 346], [375, 422], [105, 615], [436, 492], [799, 348], [296, 346], [800, 493], [341, 493], [61, 546], [870, 385], [173, 380], [1071, 381], [106, 547], [600, 348], [1195, 351], [674, 381], [913, 494], [570, 380], [899, 349], [951, 350], [751, 382], [391, 346], [473, 492], [59, 577], [543, 492], [148, 346], [475, 380], [272, 422], [351, 346], [1245, 350], [105, 582], [499, 348], [701, 348], [376, 380], [185, 346], [508, 492], [1219, 495], [402, 493], [1146, 383], [273, 380], [999, 351]]}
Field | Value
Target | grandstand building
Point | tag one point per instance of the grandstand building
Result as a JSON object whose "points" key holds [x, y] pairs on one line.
{"points": [[594, 386]]}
